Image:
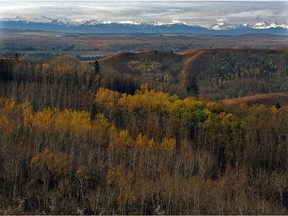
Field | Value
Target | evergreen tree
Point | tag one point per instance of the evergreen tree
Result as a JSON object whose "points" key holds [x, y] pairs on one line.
{"points": [[97, 67], [278, 105], [193, 88]]}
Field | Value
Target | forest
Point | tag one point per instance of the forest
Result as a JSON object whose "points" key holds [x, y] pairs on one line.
{"points": [[81, 138]]}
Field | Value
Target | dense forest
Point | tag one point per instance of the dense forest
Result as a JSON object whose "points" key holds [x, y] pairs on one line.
{"points": [[82, 138]]}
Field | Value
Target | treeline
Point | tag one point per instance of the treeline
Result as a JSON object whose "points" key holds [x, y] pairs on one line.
{"points": [[62, 83], [146, 153]]}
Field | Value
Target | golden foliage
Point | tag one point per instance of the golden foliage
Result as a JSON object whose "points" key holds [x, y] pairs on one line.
{"points": [[56, 163], [75, 122], [27, 113], [107, 98], [44, 120], [6, 125], [119, 139], [143, 142], [10, 117], [168, 143]]}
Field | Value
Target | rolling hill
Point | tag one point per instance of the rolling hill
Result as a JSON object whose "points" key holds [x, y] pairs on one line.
{"points": [[268, 99], [212, 74], [218, 73]]}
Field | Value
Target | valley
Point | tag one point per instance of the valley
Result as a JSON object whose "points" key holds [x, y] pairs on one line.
{"points": [[43, 45]]}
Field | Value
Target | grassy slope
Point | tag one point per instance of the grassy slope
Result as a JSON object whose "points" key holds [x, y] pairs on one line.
{"points": [[269, 99]]}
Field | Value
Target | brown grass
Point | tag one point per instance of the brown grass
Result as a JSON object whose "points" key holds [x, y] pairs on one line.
{"points": [[268, 99]]}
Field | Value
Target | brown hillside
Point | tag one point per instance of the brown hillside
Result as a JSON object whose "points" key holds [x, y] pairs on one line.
{"points": [[219, 73], [120, 61], [268, 99], [191, 65], [159, 69]]}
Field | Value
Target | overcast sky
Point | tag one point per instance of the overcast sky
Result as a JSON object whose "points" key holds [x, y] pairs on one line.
{"points": [[191, 12], [128, 0]]}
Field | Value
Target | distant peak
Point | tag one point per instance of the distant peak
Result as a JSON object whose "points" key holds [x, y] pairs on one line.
{"points": [[63, 24], [125, 22], [265, 25], [222, 25]]}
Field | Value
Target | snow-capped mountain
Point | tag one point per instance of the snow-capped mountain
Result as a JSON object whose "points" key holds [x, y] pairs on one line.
{"points": [[64, 21], [41, 19], [265, 25], [63, 24], [44, 19], [95, 22], [261, 25], [128, 22], [222, 26]]}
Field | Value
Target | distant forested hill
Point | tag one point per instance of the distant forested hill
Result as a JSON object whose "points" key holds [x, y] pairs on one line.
{"points": [[216, 73], [206, 73]]}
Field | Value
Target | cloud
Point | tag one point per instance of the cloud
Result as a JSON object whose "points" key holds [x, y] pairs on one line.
{"points": [[192, 12], [221, 20], [253, 14]]}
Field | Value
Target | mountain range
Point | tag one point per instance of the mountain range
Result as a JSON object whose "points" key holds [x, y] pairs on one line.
{"points": [[131, 27]]}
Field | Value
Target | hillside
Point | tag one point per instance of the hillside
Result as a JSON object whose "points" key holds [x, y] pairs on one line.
{"points": [[159, 69], [268, 99], [213, 74], [239, 106], [217, 73], [236, 73]]}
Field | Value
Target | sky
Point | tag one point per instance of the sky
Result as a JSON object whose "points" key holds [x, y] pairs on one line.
{"points": [[201, 13]]}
